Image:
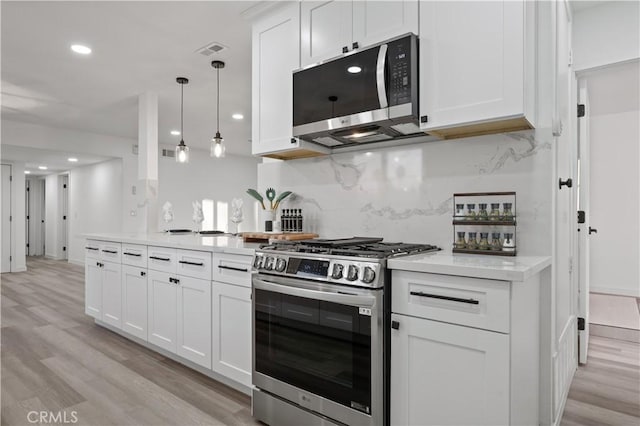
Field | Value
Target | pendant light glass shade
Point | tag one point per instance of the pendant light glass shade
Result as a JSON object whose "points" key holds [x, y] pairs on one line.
{"points": [[182, 150], [217, 143]]}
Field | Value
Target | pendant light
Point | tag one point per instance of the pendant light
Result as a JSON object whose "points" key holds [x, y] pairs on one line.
{"points": [[182, 150], [217, 143]]}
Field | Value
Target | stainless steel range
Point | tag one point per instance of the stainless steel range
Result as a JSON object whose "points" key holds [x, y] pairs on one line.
{"points": [[320, 342]]}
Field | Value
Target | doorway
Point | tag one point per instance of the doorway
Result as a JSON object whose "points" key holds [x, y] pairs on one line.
{"points": [[6, 255], [35, 215]]}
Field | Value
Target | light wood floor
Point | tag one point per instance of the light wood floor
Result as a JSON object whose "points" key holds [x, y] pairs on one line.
{"points": [[55, 359]]}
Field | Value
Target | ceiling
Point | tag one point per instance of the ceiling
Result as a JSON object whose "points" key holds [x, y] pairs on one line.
{"points": [[55, 161], [137, 47]]}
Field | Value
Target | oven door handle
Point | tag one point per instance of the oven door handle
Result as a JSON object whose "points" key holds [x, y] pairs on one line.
{"points": [[323, 295]]}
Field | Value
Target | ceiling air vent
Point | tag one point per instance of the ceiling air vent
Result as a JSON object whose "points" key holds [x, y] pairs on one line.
{"points": [[168, 153], [211, 48]]}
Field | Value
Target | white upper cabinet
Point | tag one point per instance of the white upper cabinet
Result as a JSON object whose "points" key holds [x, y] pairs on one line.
{"points": [[329, 28], [477, 67], [276, 54]]}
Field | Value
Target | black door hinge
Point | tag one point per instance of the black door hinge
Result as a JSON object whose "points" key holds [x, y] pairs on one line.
{"points": [[64, 249], [27, 217], [581, 216], [10, 218], [64, 186], [580, 324], [581, 111], [10, 178], [64, 217], [10, 258], [27, 245]]}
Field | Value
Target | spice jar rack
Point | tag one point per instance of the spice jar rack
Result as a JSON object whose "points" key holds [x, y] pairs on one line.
{"points": [[481, 230]]}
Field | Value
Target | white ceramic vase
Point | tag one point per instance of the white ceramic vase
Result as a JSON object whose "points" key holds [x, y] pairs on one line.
{"points": [[266, 216]]}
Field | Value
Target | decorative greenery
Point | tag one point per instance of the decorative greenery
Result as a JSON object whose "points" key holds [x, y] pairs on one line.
{"points": [[274, 201]]}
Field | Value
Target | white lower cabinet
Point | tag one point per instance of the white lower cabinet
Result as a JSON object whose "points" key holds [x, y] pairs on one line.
{"points": [[231, 320], [134, 301], [93, 288], [163, 310], [445, 374], [112, 293], [194, 319]]}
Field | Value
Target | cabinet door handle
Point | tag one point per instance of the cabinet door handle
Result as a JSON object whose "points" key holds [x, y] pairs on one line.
{"points": [[133, 254], [185, 262], [142, 273], [164, 259], [100, 265], [355, 45], [91, 248], [233, 268], [395, 325], [110, 251], [437, 296], [345, 49]]}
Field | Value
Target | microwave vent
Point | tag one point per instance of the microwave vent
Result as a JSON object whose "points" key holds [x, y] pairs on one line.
{"points": [[328, 141], [407, 128]]}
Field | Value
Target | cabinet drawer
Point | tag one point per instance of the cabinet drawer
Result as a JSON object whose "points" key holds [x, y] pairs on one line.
{"points": [[162, 259], [466, 301], [134, 255], [196, 264], [92, 249], [110, 252], [232, 268]]}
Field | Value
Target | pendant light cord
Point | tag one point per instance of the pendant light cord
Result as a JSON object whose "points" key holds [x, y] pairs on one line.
{"points": [[181, 111], [218, 108]]}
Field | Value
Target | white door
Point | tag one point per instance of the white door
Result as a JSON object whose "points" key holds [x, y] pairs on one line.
{"points": [[231, 322], [163, 294], [35, 215], [326, 27], [583, 205], [471, 61], [93, 288], [445, 374], [112, 293], [5, 256], [134, 301], [376, 21], [194, 320], [64, 235]]}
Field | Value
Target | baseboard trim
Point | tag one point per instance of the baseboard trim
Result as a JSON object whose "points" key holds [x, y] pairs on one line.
{"points": [[619, 333], [76, 262], [615, 291]]}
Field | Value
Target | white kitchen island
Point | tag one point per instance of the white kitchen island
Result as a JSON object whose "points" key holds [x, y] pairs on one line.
{"points": [[467, 338], [187, 297]]}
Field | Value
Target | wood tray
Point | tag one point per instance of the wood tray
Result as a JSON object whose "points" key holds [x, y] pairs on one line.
{"points": [[260, 237]]}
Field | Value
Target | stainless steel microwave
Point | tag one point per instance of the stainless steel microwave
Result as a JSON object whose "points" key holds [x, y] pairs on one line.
{"points": [[368, 95]]}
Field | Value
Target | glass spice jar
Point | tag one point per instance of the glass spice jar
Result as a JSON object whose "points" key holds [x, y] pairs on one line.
{"points": [[482, 213], [484, 241], [507, 213], [460, 242], [472, 242], [471, 212], [508, 245], [459, 211], [495, 212], [496, 244]]}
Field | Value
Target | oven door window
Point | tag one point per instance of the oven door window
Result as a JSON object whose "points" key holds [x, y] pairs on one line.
{"points": [[321, 347]]}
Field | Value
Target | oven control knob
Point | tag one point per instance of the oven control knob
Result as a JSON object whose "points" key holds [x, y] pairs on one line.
{"points": [[257, 262], [336, 274], [368, 275], [268, 263], [280, 264], [352, 273]]}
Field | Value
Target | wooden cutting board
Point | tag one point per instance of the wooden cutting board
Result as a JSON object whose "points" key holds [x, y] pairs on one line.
{"points": [[259, 237]]}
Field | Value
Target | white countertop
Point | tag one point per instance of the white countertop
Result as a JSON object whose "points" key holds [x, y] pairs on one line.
{"points": [[213, 243], [518, 268]]}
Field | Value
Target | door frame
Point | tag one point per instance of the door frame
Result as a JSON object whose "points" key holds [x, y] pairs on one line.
{"points": [[11, 214]]}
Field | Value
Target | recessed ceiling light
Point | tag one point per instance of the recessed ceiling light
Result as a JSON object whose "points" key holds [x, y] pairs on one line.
{"points": [[354, 69], [237, 116], [81, 49], [42, 167], [175, 132], [72, 159], [27, 172]]}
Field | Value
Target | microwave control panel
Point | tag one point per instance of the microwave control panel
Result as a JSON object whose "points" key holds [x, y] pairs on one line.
{"points": [[399, 57]]}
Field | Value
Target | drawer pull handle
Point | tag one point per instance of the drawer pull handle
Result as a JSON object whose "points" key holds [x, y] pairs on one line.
{"points": [[91, 248], [110, 251], [185, 262], [174, 280], [142, 273], [132, 254], [437, 296], [164, 259], [233, 268]]}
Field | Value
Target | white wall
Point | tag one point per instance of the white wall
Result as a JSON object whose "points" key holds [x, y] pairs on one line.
{"points": [[606, 34], [204, 177], [95, 203]]}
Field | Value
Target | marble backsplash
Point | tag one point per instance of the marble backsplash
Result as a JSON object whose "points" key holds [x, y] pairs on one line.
{"points": [[405, 193]]}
